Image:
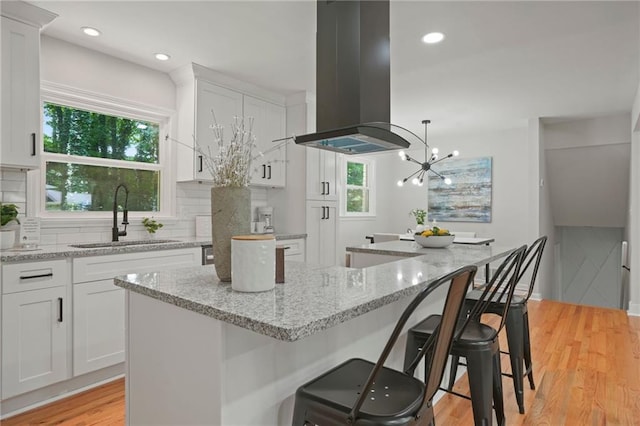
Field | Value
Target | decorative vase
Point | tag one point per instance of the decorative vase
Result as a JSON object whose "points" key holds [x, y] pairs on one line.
{"points": [[7, 238], [230, 215], [420, 228]]}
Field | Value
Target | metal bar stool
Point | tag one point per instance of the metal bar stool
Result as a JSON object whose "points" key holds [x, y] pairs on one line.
{"points": [[476, 341], [517, 324], [363, 393]]}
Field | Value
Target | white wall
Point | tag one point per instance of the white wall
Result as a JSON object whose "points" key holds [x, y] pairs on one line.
{"points": [[634, 211], [78, 67], [587, 163], [511, 182]]}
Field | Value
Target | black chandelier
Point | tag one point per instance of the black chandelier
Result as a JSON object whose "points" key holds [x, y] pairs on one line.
{"points": [[426, 166]]}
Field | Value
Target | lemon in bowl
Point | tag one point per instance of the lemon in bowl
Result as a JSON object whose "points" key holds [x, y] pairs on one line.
{"points": [[434, 238]]}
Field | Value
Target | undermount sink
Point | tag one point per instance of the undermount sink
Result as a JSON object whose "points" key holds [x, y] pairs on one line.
{"points": [[122, 243]]}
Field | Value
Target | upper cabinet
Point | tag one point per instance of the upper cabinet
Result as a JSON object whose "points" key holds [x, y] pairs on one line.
{"points": [[269, 159], [203, 93], [21, 130], [322, 175]]}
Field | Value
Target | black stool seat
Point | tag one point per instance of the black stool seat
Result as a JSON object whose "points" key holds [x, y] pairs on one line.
{"points": [[393, 396], [475, 333]]}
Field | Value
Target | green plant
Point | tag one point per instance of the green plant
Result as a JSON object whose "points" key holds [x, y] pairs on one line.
{"points": [[420, 215], [151, 225], [9, 213]]}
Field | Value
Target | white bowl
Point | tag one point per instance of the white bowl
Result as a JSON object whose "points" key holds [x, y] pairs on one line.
{"points": [[434, 241]]}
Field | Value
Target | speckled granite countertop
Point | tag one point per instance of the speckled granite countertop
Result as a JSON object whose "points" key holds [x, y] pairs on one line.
{"points": [[64, 250], [313, 298]]}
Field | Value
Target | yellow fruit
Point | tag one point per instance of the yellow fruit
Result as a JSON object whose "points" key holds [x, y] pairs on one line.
{"points": [[427, 233], [443, 232]]}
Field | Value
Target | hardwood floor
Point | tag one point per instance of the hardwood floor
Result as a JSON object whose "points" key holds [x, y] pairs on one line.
{"points": [[586, 366]]}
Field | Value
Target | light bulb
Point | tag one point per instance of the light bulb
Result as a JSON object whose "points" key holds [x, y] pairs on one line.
{"points": [[400, 183], [415, 181], [435, 151], [401, 154], [456, 153], [420, 183], [399, 276], [447, 181]]}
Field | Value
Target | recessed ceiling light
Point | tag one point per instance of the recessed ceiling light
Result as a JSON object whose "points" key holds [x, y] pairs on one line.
{"points": [[91, 31], [433, 38], [162, 56]]}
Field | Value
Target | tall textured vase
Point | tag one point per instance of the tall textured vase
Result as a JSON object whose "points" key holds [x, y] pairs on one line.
{"points": [[230, 215]]}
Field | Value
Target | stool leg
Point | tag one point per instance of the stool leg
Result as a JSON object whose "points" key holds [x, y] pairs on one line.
{"points": [[453, 371], [498, 401], [515, 338], [411, 349], [480, 373], [527, 351], [298, 414]]}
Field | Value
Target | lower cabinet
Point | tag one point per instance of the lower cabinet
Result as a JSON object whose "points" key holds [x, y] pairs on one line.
{"points": [[294, 249], [35, 327], [98, 326]]}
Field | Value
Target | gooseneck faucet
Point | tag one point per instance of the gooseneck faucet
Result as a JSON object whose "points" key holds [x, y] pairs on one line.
{"points": [[115, 232]]}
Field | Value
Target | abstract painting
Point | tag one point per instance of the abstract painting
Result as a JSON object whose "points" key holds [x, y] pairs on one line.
{"points": [[468, 198]]}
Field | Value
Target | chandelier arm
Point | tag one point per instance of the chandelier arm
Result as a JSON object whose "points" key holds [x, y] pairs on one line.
{"points": [[412, 174], [443, 158], [413, 160], [437, 174]]}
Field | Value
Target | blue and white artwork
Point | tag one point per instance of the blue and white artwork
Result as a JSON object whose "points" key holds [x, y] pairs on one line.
{"points": [[468, 198]]}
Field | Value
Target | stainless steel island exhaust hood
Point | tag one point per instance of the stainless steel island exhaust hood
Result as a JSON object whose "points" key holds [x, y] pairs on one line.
{"points": [[353, 79]]}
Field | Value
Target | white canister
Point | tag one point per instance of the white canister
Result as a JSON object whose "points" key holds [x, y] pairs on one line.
{"points": [[253, 262]]}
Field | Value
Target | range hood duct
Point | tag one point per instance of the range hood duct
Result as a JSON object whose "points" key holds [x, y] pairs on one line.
{"points": [[353, 79]]}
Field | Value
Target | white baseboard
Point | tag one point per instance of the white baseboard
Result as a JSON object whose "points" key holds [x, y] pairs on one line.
{"points": [[634, 309], [39, 397], [536, 296]]}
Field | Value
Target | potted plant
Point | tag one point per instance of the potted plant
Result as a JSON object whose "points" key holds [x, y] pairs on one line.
{"points": [[421, 216], [151, 225], [8, 221]]}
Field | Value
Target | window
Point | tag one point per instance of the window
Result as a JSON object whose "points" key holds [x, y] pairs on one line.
{"points": [[90, 148], [358, 176]]}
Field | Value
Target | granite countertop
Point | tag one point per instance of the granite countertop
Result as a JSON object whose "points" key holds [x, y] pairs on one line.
{"points": [[313, 298], [62, 251], [398, 248]]}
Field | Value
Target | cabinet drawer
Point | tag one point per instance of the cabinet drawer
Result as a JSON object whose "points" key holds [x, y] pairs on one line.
{"points": [[293, 247], [96, 268], [34, 275]]}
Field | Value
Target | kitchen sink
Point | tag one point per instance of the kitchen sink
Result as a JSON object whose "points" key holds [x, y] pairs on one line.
{"points": [[122, 243]]}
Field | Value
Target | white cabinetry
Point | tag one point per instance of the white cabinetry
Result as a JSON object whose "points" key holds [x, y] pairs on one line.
{"points": [[322, 232], [269, 164], [21, 24], [35, 325], [322, 172], [98, 309], [202, 92]]}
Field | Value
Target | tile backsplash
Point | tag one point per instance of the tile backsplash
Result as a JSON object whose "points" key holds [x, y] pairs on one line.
{"points": [[192, 199]]}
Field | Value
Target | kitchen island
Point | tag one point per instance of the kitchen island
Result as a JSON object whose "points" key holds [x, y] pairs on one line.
{"points": [[200, 353]]}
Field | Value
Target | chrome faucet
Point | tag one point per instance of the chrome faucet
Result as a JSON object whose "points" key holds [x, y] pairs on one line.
{"points": [[115, 232]]}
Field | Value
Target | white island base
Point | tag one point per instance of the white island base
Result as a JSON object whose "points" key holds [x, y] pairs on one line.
{"points": [[184, 368]]}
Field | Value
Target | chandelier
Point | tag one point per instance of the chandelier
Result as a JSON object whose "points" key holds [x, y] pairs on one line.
{"points": [[429, 161]]}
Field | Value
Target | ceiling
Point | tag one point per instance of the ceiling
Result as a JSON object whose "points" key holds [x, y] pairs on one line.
{"points": [[500, 64]]}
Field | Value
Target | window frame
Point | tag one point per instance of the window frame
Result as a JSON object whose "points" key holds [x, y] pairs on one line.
{"points": [[370, 165], [75, 98]]}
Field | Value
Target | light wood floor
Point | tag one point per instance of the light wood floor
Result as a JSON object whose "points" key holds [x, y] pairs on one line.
{"points": [[586, 367]]}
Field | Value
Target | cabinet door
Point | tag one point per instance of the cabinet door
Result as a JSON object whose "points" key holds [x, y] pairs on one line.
{"points": [[269, 162], [321, 175], [226, 105], [98, 326], [20, 95], [321, 232], [34, 340]]}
